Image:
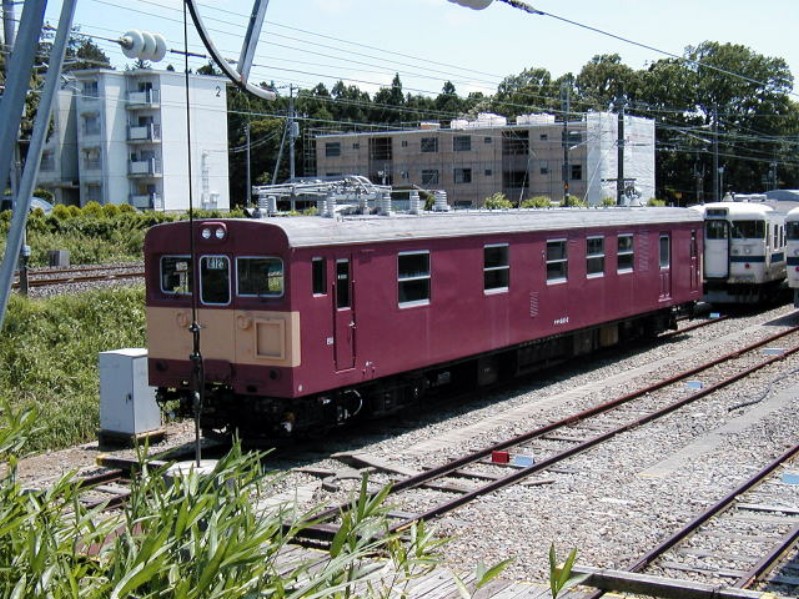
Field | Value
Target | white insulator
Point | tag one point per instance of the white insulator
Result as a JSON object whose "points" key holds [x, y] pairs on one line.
{"points": [[271, 205], [415, 203], [262, 201], [474, 4], [330, 205], [385, 203], [143, 45], [441, 204], [363, 202]]}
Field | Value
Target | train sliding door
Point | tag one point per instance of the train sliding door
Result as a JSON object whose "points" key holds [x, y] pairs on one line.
{"points": [[344, 315], [717, 249]]}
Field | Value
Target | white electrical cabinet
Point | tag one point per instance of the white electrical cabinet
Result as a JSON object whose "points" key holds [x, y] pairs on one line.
{"points": [[127, 403]]}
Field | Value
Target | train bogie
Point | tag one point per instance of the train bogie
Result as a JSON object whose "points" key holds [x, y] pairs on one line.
{"points": [[308, 322]]}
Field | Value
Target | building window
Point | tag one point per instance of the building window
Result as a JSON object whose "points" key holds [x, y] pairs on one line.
{"points": [[176, 275], [48, 161], [626, 255], [595, 256], [487, 140], [94, 192], [462, 143], [462, 175], [557, 261], [91, 125], [496, 267], [259, 277], [319, 276], [543, 167], [577, 172], [430, 177], [413, 278], [356, 146], [489, 172], [404, 143], [215, 280], [665, 251], [515, 143], [543, 137], [90, 89], [429, 144], [332, 149]]}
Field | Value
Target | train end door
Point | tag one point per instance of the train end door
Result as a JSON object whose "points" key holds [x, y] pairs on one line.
{"points": [[344, 315]]}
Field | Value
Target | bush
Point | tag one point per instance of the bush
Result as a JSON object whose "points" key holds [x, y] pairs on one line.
{"points": [[654, 202], [571, 201], [608, 201], [498, 201], [537, 202], [200, 536]]}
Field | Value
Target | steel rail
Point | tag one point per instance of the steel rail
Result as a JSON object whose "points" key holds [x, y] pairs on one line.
{"points": [[427, 476], [721, 505]]}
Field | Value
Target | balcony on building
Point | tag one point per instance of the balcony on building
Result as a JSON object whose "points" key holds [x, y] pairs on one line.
{"points": [[147, 201], [148, 98], [149, 133], [145, 167]]}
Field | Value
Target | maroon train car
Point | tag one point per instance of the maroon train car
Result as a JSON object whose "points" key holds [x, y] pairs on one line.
{"points": [[306, 322]]}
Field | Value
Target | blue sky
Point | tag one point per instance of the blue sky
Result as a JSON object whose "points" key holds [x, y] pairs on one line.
{"points": [[428, 42]]}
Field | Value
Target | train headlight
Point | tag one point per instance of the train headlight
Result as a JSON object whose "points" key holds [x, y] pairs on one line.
{"points": [[213, 231], [747, 250]]}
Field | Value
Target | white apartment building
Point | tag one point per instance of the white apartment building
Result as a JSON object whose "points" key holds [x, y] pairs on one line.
{"points": [[132, 141], [472, 160]]}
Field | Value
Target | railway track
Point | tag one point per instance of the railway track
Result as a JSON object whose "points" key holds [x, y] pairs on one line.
{"points": [[522, 458], [46, 277], [740, 542]]}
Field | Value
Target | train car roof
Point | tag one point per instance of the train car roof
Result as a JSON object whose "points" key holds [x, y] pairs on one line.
{"points": [[753, 208], [319, 231]]}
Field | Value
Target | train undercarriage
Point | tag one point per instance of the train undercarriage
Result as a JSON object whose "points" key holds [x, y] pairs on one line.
{"points": [[267, 419]]}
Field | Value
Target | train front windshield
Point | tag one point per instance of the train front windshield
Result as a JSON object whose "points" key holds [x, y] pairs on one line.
{"points": [[792, 230], [748, 229]]}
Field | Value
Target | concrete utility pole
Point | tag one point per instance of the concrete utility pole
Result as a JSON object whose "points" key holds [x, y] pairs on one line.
{"points": [[620, 153], [11, 115], [565, 99], [716, 171]]}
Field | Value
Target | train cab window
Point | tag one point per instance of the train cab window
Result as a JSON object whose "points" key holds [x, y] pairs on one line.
{"points": [[716, 229], [259, 277], [557, 261], [625, 255], [595, 256], [319, 276], [176, 275], [665, 251], [496, 267], [748, 229], [413, 278], [215, 280], [792, 230]]}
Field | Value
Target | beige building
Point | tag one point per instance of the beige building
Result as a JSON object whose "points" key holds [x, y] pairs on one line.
{"points": [[472, 160]]}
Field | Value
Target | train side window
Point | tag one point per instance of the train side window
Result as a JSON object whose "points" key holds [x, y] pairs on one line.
{"points": [[496, 267], [557, 261], [259, 277], [176, 275], [665, 251], [215, 280], [595, 256], [413, 278], [694, 245], [625, 256], [342, 284], [749, 229], [319, 276], [792, 230]]}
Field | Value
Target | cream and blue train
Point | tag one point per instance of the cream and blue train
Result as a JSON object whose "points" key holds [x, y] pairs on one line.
{"points": [[792, 252], [744, 258]]}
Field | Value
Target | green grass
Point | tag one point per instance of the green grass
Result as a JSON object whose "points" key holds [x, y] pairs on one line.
{"points": [[49, 352]]}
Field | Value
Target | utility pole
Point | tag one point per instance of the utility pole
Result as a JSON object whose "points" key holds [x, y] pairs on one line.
{"points": [[620, 152], [249, 176], [294, 131], [565, 101], [716, 171]]}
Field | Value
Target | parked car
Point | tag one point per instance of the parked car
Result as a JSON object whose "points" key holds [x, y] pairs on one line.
{"points": [[7, 203]]}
